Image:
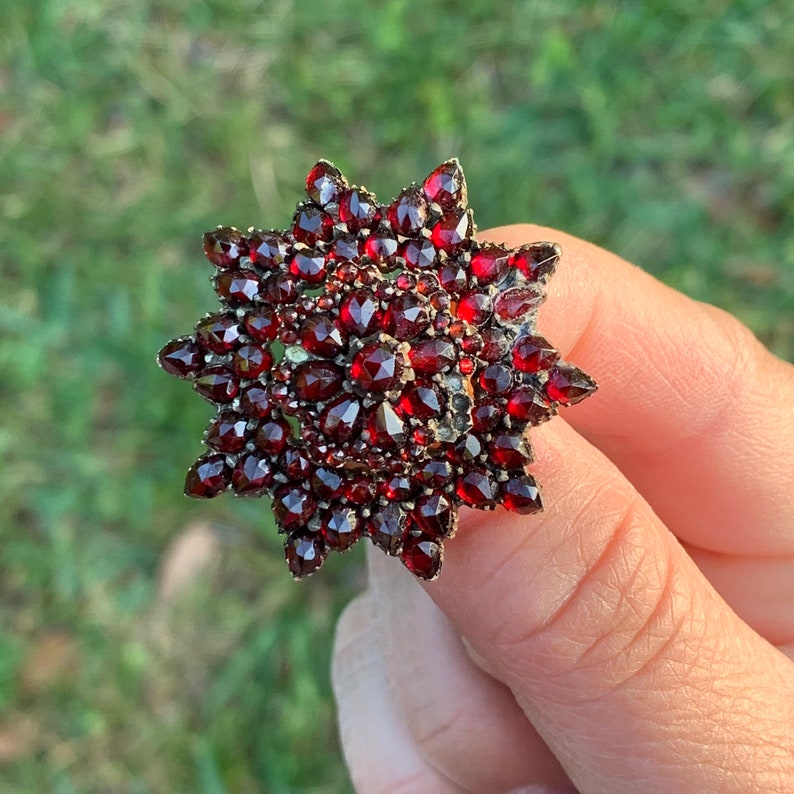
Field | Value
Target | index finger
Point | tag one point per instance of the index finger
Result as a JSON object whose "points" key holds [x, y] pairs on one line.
{"points": [[691, 407]]}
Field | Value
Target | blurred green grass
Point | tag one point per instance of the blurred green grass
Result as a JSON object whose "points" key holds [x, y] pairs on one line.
{"points": [[660, 130]]}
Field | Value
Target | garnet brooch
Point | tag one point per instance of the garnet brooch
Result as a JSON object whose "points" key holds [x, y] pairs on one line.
{"points": [[373, 367]]}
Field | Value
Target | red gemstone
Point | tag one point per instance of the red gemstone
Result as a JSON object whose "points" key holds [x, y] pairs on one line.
{"points": [[325, 183], [568, 385], [375, 368], [341, 528], [220, 333], [526, 404], [268, 249], [454, 279], [381, 248], [308, 265], [261, 324], [217, 384], [521, 495], [293, 506], [311, 225], [446, 185], [489, 264], [485, 416], [323, 336], [422, 556], [494, 344], [537, 261], [317, 380], [358, 209], [509, 451], [406, 316], [513, 304], [250, 361], [432, 355], [407, 214], [435, 514], [466, 449], [341, 418], [237, 287], [421, 400], [181, 358], [327, 483], [476, 488], [398, 488], [419, 253], [475, 308], [305, 553], [224, 246], [273, 436], [452, 232], [294, 463], [280, 288], [227, 433], [533, 353], [359, 312], [255, 401], [360, 490], [208, 477], [496, 379], [435, 473], [386, 429], [386, 528], [344, 248], [252, 476]]}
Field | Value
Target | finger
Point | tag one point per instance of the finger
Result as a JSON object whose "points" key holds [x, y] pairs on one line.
{"points": [[634, 671], [465, 723], [691, 407], [378, 749]]}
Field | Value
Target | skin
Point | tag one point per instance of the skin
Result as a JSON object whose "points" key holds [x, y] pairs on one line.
{"points": [[638, 635]]}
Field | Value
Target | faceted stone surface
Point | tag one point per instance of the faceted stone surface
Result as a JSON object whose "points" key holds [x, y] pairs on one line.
{"points": [[237, 287], [386, 528], [375, 368], [217, 384], [446, 185], [219, 333], [527, 405], [181, 358], [536, 261], [224, 246], [305, 553], [432, 355], [317, 380], [358, 209], [521, 495], [293, 506], [489, 264], [495, 379], [508, 451], [253, 475], [208, 477], [341, 418], [323, 336], [250, 361], [533, 353], [261, 323], [513, 304], [359, 312], [341, 528], [408, 213], [228, 432], [452, 231], [272, 436], [311, 225], [386, 429], [475, 307], [422, 556], [434, 514], [421, 399], [406, 317], [325, 183], [308, 265], [476, 488], [255, 401], [568, 385], [419, 254]]}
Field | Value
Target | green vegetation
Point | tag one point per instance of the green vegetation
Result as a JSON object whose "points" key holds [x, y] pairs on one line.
{"points": [[662, 130]]}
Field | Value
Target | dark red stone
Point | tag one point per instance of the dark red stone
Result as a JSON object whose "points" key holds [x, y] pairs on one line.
{"points": [[261, 324], [280, 288], [446, 185], [358, 209], [224, 246], [386, 528], [475, 307], [489, 264], [466, 449], [406, 317], [536, 261], [513, 304], [237, 287], [509, 451], [435, 515], [494, 344], [250, 361], [308, 265], [217, 384], [375, 368], [476, 488], [341, 418], [311, 225], [327, 483], [344, 248], [294, 463], [315, 381], [255, 401], [272, 436], [496, 379], [381, 247], [533, 353], [422, 556], [323, 336], [435, 473], [325, 183], [452, 231], [454, 279], [485, 416], [207, 477], [521, 495], [293, 506], [228, 432], [432, 355], [268, 249], [181, 357], [568, 385], [219, 333], [360, 489], [359, 312], [386, 429], [341, 528], [408, 213], [421, 400], [253, 475], [526, 404], [305, 553], [398, 488], [419, 253]]}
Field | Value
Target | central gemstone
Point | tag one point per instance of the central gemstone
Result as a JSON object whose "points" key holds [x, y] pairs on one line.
{"points": [[375, 368]]}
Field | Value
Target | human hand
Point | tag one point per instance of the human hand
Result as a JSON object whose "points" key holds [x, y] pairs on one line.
{"points": [[638, 635]]}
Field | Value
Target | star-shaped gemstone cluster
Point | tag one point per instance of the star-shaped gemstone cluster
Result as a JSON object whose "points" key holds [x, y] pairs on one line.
{"points": [[373, 368]]}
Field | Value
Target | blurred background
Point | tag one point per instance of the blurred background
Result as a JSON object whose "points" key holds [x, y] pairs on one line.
{"points": [[153, 644]]}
